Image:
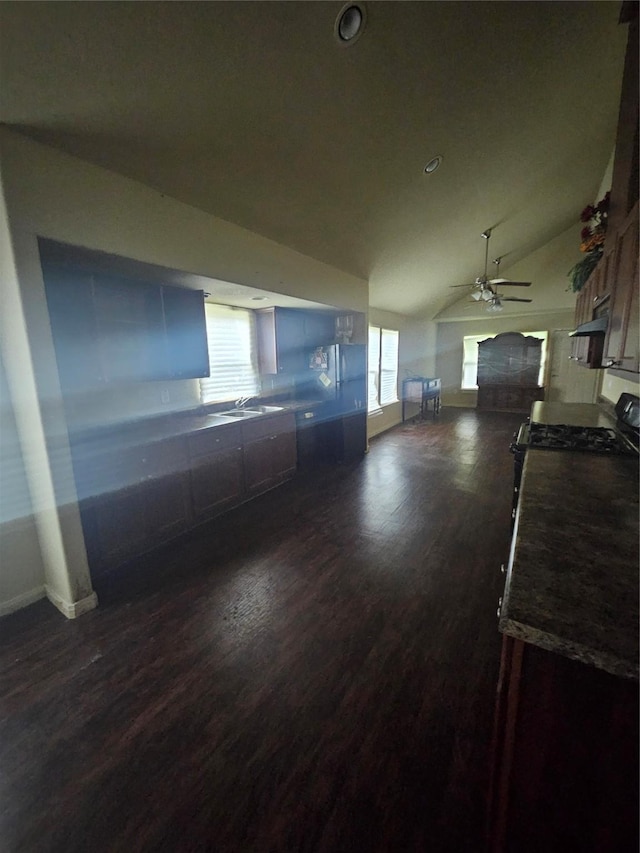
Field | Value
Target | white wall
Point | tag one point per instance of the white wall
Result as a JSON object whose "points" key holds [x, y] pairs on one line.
{"points": [[22, 577], [51, 194], [613, 386]]}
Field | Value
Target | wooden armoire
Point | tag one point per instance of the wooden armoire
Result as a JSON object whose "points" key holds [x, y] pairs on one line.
{"points": [[508, 369]]}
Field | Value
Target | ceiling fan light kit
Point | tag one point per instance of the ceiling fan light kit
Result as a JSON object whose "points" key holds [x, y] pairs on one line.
{"points": [[484, 288]]}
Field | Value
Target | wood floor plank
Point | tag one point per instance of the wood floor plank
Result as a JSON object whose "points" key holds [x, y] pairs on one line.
{"points": [[315, 671]]}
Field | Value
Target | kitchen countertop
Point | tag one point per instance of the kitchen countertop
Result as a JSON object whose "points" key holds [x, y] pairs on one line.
{"points": [[162, 427], [571, 414], [572, 583]]}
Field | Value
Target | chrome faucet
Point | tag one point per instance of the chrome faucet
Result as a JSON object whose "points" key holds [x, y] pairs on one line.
{"points": [[242, 402]]}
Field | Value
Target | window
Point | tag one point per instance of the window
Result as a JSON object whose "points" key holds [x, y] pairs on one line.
{"points": [[470, 357], [231, 337], [383, 367]]}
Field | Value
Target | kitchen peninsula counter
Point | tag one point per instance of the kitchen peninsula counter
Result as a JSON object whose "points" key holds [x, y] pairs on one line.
{"points": [[572, 582]]}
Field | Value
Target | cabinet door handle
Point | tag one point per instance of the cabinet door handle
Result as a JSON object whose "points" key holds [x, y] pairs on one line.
{"points": [[502, 568]]}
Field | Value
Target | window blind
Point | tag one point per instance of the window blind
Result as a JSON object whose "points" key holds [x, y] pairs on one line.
{"points": [[373, 368], [231, 340], [389, 366]]}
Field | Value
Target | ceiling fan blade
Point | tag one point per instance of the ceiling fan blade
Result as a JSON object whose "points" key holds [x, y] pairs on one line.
{"points": [[509, 282], [471, 284], [514, 299]]}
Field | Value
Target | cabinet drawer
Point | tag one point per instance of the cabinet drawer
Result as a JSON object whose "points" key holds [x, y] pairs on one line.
{"points": [[160, 458], [267, 426], [100, 468], [210, 440]]}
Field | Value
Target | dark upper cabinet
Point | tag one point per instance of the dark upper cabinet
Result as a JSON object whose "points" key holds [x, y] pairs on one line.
{"points": [[286, 335], [281, 340], [186, 332], [73, 322], [113, 329], [622, 345], [319, 328], [616, 275], [129, 325]]}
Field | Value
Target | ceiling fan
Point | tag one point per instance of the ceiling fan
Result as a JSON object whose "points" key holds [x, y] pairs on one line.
{"points": [[485, 288]]}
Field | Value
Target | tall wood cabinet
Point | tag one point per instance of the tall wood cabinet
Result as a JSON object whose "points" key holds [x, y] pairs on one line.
{"points": [[508, 368]]}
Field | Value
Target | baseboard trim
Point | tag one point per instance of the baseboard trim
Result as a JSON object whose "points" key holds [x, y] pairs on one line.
{"points": [[22, 600], [72, 609]]}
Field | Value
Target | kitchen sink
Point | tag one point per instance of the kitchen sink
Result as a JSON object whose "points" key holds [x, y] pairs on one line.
{"points": [[240, 413], [252, 412], [265, 410]]}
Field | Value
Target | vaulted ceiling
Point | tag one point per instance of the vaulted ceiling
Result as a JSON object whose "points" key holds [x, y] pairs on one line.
{"points": [[254, 112]]}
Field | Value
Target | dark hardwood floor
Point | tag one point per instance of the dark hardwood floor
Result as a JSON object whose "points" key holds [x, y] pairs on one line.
{"points": [[314, 672]]}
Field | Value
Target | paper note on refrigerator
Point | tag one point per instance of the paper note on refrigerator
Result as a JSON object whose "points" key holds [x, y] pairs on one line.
{"points": [[324, 379]]}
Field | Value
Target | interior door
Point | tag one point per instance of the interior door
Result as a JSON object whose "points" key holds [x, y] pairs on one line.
{"points": [[568, 382]]}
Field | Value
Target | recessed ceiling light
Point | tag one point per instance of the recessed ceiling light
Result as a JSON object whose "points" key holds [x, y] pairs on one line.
{"points": [[433, 164], [350, 23]]}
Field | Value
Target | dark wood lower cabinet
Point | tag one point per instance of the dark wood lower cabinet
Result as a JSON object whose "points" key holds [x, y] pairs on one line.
{"points": [[145, 494], [565, 757], [269, 458], [217, 481], [130, 521], [167, 508], [216, 473], [114, 527]]}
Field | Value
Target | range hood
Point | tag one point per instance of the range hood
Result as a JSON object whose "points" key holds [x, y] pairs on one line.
{"points": [[593, 327]]}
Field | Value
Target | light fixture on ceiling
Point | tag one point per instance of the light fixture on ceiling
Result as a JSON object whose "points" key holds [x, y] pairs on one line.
{"points": [[350, 23], [485, 289], [433, 164]]}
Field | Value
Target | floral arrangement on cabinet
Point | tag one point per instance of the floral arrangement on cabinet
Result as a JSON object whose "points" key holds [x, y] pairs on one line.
{"points": [[591, 242]]}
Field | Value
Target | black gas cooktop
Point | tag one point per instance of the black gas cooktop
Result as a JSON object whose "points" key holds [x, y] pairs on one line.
{"points": [[566, 437]]}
